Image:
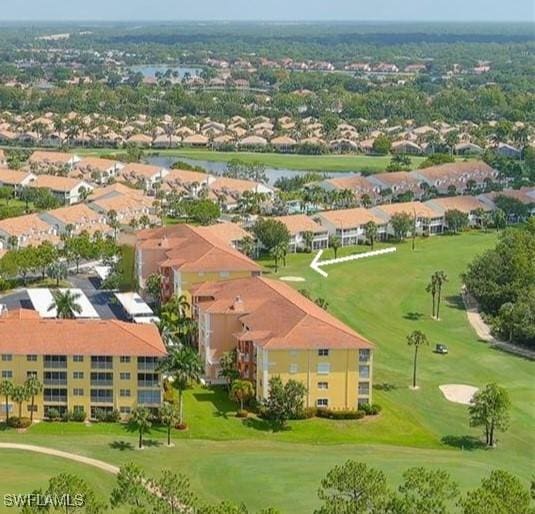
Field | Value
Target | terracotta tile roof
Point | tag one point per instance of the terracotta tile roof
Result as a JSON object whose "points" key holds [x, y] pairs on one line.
{"points": [[395, 178], [13, 177], [191, 248], [140, 170], [123, 202], [114, 190], [186, 177], [422, 210], [222, 184], [227, 231], [455, 169], [75, 214], [56, 183], [465, 204], [526, 195], [349, 218], [298, 223], [24, 335], [21, 314], [356, 182], [277, 315], [96, 163], [24, 225], [51, 157]]}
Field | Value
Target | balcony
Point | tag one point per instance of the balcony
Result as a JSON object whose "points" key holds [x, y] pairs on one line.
{"points": [[101, 365], [148, 383], [53, 364], [55, 382], [102, 383]]}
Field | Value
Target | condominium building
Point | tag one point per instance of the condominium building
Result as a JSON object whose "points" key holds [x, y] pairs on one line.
{"points": [[278, 332], [83, 365]]}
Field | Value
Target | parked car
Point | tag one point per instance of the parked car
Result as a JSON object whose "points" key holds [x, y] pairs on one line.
{"points": [[441, 348]]}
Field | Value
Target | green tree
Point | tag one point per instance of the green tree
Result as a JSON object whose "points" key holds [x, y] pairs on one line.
{"points": [[174, 494], [308, 240], [371, 232], [284, 402], [20, 394], [381, 145], [140, 420], [424, 491], [278, 252], [248, 246], [170, 416], [130, 489], [335, 242], [440, 279], [456, 220], [153, 285], [501, 493], [228, 368], [401, 223], [432, 289], [489, 408], [416, 339], [66, 304], [271, 232], [241, 391], [184, 366], [353, 488], [82, 497], [6, 390], [34, 387]]}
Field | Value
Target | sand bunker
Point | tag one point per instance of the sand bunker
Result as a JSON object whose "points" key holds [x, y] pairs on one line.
{"points": [[458, 393]]}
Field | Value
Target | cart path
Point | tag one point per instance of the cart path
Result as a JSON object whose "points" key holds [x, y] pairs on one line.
{"points": [[64, 455]]}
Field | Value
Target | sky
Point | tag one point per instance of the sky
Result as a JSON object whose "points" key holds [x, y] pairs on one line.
{"points": [[360, 10]]}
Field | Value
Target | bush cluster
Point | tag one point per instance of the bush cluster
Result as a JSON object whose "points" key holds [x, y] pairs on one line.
{"points": [[102, 416], [339, 414], [16, 422], [370, 409]]}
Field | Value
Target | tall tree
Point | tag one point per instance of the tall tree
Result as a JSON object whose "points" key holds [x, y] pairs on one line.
{"points": [[140, 420], [241, 391], [440, 278], [6, 390], [489, 408], [371, 232], [432, 289], [335, 242], [130, 489], [20, 394], [169, 416], [416, 339], [353, 488], [34, 387]]}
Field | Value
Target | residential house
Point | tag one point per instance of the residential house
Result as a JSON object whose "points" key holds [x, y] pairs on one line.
{"points": [[28, 230], [75, 220], [187, 255], [45, 162], [87, 365], [277, 332], [469, 205], [67, 190], [424, 219], [365, 191], [15, 179], [397, 183], [147, 176], [349, 224], [97, 169], [298, 225]]}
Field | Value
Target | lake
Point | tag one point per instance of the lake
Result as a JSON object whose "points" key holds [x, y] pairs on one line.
{"points": [[150, 70], [218, 167]]}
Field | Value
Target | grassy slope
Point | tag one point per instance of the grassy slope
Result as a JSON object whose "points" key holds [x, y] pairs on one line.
{"points": [[383, 298]]}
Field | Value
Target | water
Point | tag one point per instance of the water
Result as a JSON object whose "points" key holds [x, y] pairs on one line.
{"points": [[150, 70], [218, 167]]}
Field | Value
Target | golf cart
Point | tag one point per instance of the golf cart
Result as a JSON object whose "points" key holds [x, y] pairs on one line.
{"points": [[441, 348]]}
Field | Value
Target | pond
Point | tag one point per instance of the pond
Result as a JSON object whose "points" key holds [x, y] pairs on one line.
{"points": [[150, 70], [218, 167]]}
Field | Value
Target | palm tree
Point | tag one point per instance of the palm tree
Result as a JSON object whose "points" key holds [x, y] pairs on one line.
{"points": [[184, 366], [278, 253], [65, 303], [441, 278], [432, 288], [6, 390], [34, 387], [308, 239], [140, 418], [335, 242], [57, 270], [416, 339], [169, 416], [20, 394], [371, 232], [248, 246], [241, 391]]}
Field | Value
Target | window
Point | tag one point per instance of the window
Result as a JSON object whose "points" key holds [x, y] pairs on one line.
{"points": [[124, 376], [324, 368], [55, 361], [102, 362], [364, 388], [77, 391], [293, 368], [54, 395], [323, 385], [78, 408], [224, 274], [78, 375], [124, 359], [7, 373], [101, 396], [323, 352], [125, 393], [322, 402], [101, 378], [364, 371], [7, 357], [31, 358], [31, 374], [78, 358], [125, 410], [54, 378], [148, 397], [362, 401], [364, 355]]}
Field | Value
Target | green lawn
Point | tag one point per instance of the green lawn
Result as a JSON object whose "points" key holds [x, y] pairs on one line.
{"points": [[127, 280], [329, 162], [384, 298]]}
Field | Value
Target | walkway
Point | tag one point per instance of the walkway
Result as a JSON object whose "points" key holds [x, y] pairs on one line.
{"points": [[104, 466], [483, 330]]}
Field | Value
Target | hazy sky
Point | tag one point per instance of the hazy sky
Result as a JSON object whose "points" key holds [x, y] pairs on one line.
{"points": [[406, 10]]}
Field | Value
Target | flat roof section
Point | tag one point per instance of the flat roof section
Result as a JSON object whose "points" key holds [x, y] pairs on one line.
{"points": [[42, 299]]}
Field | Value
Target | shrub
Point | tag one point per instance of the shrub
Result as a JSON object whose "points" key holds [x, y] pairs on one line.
{"points": [[242, 413], [309, 412], [16, 422], [53, 414], [370, 409], [79, 416], [340, 414], [103, 416], [66, 416]]}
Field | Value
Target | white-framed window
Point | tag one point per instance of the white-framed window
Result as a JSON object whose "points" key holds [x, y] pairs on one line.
{"points": [[293, 368], [323, 385], [323, 352], [124, 359], [124, 376], [224, 274], [77, 391], [31, 358], [364, 371], [78, 375], [7, 373], [78, 358], [322, 402], [364, 355], [31, 374], [364, 388], [125, 393], [324, 368], [7, 357], [125, 410]]}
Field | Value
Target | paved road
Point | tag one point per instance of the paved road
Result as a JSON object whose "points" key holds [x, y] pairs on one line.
{"points": [[104, 301]]}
